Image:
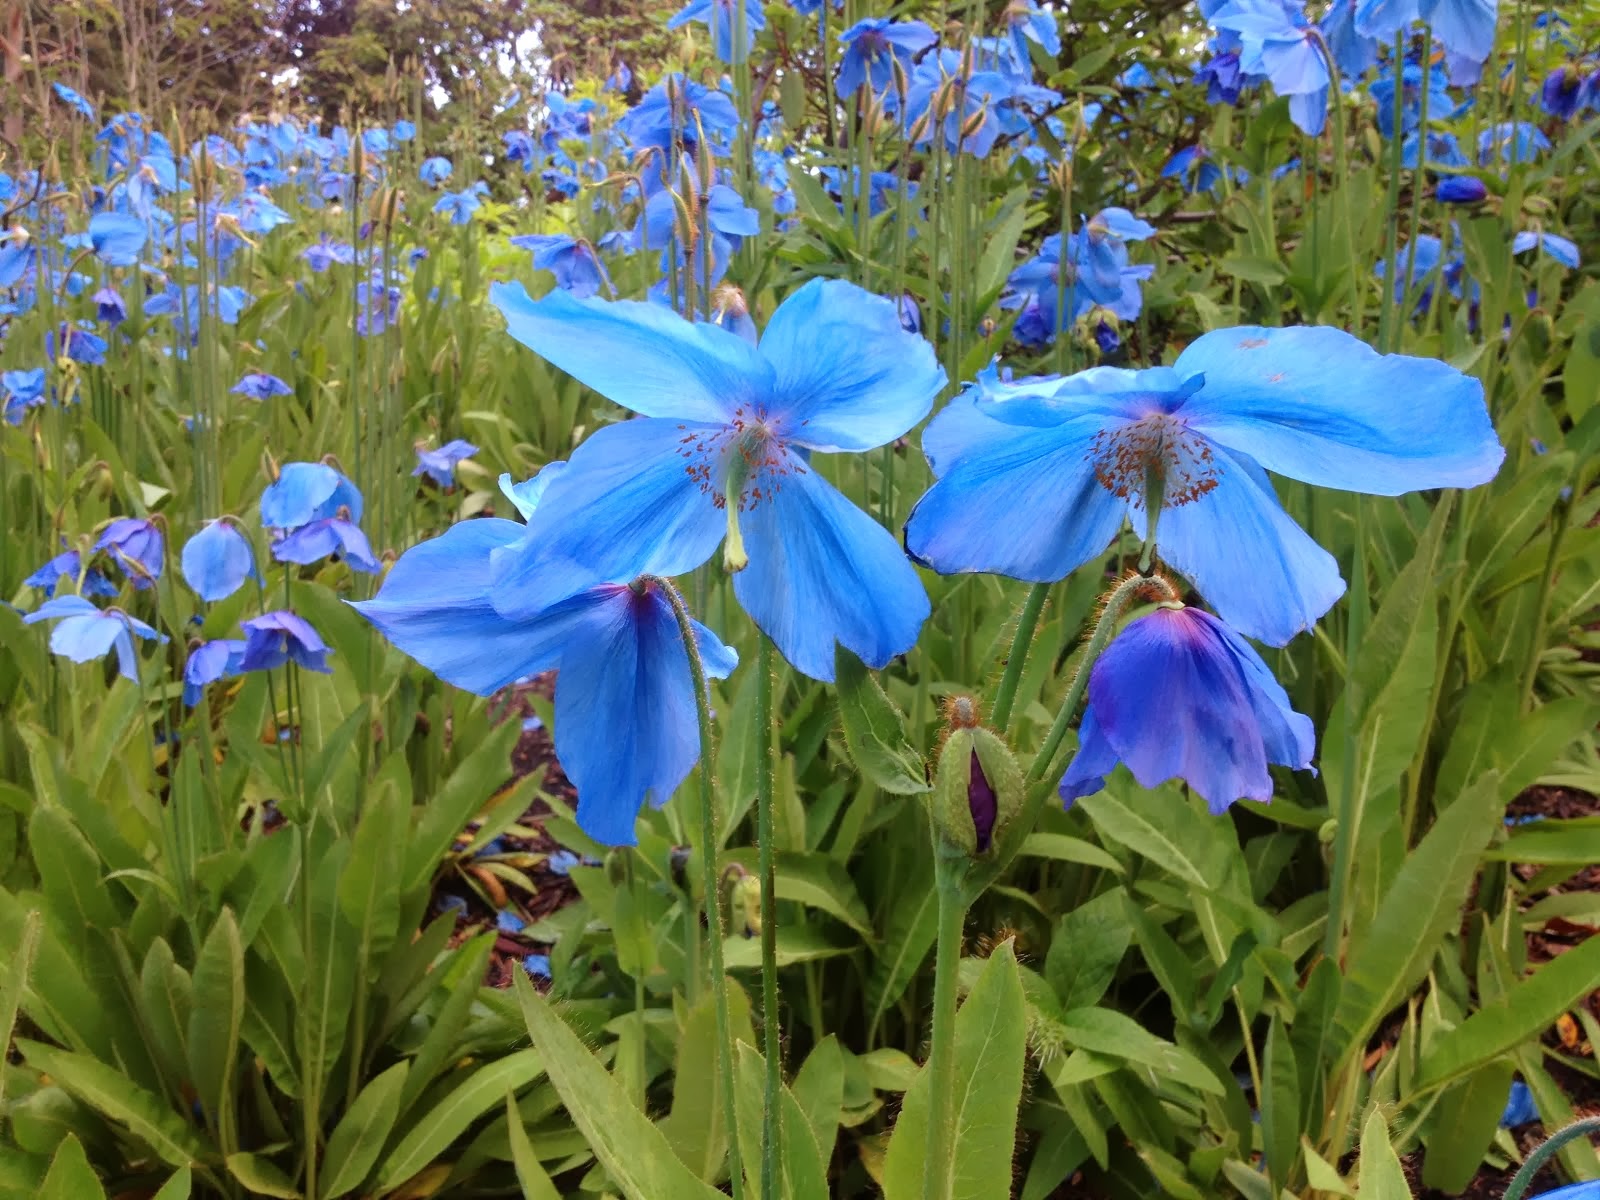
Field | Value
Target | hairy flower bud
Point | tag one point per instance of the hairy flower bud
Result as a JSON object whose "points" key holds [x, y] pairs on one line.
{"points": [[977, 789]]}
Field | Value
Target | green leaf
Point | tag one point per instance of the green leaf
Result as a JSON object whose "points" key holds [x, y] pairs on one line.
{"points": [[1518, 1014], [1061, 848], [1086, 949], [802, 1171], [436, 1130], [216, 1015], [177, 1187], [990, 1044], [818, 1088], [1280, 1107], [117, 1097], [796, 944], [70, 1176], [874, 730], [358, 1138], [1132, 829], [696, 1128], [369, 890], [536, 1184], [1104, 1031], [1380, 1176], [15, 984], [468, 789], [324, 1014], [1422, 905], [1551, 843], [262, 1176], [631, 1148], [1464, 1127], [1322, 1175]]}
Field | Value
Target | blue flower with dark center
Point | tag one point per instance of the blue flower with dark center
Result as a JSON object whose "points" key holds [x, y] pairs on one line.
{"points": [[136, 545], [722, 454], [461, 205], [86, 633], [109, 307], [1080, 454], [1562, 93], [874, 48], [1179, 695], [280, 637], [434, 171]]}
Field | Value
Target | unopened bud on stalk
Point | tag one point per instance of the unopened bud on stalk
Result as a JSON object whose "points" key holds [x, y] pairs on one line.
{"points": [[977, 789], [747, 905]]}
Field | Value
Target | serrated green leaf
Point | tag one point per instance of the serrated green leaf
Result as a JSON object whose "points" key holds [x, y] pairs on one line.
{"points": [[536, 1183], [216, 1015]]}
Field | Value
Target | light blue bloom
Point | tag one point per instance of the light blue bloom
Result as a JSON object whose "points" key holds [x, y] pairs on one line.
{"points": [[1075, 454], [1557, 247], [306, 492], [875, 48], [434, 171], [207, 663], [86, 633], [722, 18], [258, 385], [24, 390], [1179, 695], [217, 560], [117, 238], [574, 263], [440, 465], [73, 100]]}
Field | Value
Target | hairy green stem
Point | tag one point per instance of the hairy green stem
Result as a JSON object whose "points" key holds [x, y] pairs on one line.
{"points": [[938, 1175], [765, 836], [715, 929], [1521, 1181], [1021, 639]]}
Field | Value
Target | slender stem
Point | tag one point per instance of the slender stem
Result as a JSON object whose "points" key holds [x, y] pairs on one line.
{"points": [[313, 1091], [1521, 1181], [1530, 671], [1115, 602], [765, 805], [715, 925], [1027, 622], [939, 1166]]}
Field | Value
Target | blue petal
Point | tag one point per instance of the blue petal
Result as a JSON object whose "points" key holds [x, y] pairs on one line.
{"points": [[847, 375], [1094, 760], [626, 730], [61, 606], [86, 638], [1318, 405], [1259, 570], [305, 491], [216, 561], [642, 356], [624, 506], [527, 494], [823, 572], [434, 605], [1022, 502]]}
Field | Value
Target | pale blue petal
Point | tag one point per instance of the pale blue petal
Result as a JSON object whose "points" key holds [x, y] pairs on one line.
{"points": [[61, 606], [642, 356], [527, 494], [822, 571], [1246, 556], [1318, 405], [846, 374], [216, 561], [87, 638]]}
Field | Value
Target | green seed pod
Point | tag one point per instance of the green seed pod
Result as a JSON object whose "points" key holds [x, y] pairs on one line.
{"points": [[977, 790]]}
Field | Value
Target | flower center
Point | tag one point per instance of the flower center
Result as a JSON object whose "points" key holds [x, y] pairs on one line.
{"points": [[1159, 451], [738, 466]]}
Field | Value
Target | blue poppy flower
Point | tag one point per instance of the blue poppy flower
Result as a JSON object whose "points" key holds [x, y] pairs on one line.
{"points": [[306, 492], [620, 80], [81, 345], [325, 253], [461, 205], [258, 385], [1222, 77], [24, 390], [403, 131], [434, 171], [1179, 695], [1413, 83], [209, 662], [722, 18], [73, 100], [723, 451], [1076, 454], [440, 465], [874, 48], [86, 633], [17, 256], [1520, 1107], [1466, 27], [109, 306], [1512, 141], [280, 637], [1562, 92], [671, 118], [117, 238], [948, 99], [216, 561], [327, 537], [625, 725], [574, 263], [1557, 247], [68, 565], [1277, 43], [136, 546], [1460, 189]]}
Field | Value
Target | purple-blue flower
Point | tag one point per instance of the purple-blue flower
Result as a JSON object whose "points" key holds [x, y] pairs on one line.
{"points": [[440, 465], [258, 385], [723, 453], [574, 263], [86, 633], [1078, 455], [1460, 189], [24, 390], [722, 17], [136, 546], [68, 565], [280, 637], [207, 663], [1179, 695], [304, 492], [874, 47], [117, 238]]}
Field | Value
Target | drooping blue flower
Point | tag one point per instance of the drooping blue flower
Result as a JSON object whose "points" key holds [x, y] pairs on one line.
{"points": [[1078, 454], [1353, 53], [723, 451], [258, 385], [1194, 168], [874, 47], [135, 545], [1179, 695], [217, 560], [1424, 263], [81, 345], [68, 565], [625, 726], [24, 390], [73, 100], [949, 99], [209, 662], [461, 205], [306, 492], [574, 263], [1415, 86], [1512, 142], [1562, 93], [1563, 250], [117, 238], [86, 633], [276, 638], [722, 17], [1222, 77], [1460, 189], [440, 465], [1465, 27], [327, 537], [621, 79], [434, 171], [1520, 1109], [322, 254], [1027, 22], [109, 306], [17, 257], [1276, 41]]}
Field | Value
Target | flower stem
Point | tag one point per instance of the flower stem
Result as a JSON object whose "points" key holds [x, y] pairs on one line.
{"points": [[1115, 602], [939, 1164], [1027, 622], [1523, 1179], [765, 805], [715, 930]]}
